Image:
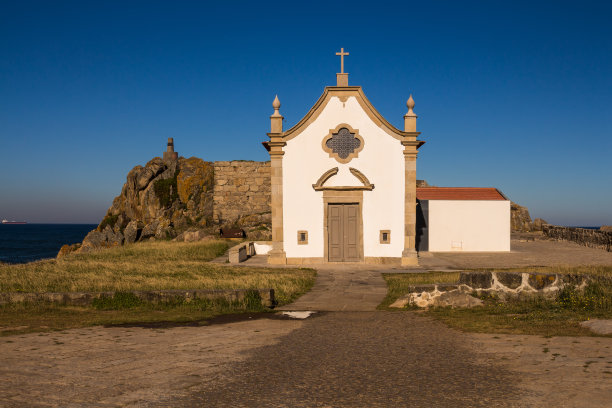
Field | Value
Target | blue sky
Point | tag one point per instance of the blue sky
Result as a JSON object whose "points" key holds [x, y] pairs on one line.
{"points": [[515, 95]]}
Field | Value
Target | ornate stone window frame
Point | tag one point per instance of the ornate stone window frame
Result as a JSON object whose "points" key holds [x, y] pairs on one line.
{"points": [[355, 152]]}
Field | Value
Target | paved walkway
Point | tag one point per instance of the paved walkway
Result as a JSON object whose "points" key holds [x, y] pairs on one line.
{"points": [[364, 359], [537, 252], [343, 288]]}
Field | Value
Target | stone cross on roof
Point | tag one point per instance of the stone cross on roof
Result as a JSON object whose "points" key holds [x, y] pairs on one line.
{"points": [[342, 54]]}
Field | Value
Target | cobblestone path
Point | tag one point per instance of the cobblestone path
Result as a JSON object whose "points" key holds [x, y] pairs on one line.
{"points": [[363, 359]]}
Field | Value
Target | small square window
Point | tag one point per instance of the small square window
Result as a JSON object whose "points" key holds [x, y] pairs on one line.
{"points": [[302, 237], [385, 236]]}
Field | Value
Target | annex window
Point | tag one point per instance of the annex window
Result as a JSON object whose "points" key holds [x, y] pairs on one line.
{"points": [[302, 237], [385, 236]]}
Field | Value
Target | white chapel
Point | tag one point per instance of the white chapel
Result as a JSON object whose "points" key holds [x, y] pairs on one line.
{"points": [[343, 188]]}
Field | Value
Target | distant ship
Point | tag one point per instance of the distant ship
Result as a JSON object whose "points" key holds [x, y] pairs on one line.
{"points": [[13, 222]]}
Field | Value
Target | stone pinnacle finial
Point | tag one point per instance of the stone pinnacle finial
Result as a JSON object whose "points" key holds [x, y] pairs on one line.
{"points": [[410, 105], [276, 105], [410, 117], [276, 120]]}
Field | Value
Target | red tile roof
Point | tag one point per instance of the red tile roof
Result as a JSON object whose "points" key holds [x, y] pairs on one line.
{"points": [[459, 193]]}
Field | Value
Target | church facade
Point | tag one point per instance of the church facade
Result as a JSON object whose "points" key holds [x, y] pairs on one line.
{"points": [[343, 182]]}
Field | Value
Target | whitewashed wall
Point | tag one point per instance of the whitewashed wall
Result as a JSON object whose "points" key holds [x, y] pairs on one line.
{"points": [[469, 225], [381, 160]]}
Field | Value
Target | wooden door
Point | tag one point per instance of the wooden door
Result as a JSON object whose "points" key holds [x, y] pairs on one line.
{"points": [[344, 243]]}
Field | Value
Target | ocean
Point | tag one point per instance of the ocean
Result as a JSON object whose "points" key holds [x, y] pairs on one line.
{"points": [[20, 243]]}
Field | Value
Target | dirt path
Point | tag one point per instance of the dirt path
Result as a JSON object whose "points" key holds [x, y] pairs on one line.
{"points": [[122, 366], [554, 372]]}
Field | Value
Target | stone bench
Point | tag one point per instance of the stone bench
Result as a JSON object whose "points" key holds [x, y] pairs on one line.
{"points": [[245, 250]]}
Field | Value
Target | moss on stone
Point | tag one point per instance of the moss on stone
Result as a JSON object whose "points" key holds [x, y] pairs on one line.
{"points": [[109, 220], [166, 190]]}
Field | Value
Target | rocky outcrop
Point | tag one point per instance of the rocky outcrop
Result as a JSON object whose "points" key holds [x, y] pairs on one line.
{"points": [[520, 220], [185, 200], [158, 201]]}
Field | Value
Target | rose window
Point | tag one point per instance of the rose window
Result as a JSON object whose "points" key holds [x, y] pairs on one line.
{"points": [[343, 143]]}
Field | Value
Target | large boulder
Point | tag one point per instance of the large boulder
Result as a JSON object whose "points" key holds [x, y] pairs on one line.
{"points": [[67, 249], [131, 232], [149, 230]]}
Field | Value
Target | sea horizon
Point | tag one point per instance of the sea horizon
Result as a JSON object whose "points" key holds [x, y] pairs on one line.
{"points": [[22, 243]]}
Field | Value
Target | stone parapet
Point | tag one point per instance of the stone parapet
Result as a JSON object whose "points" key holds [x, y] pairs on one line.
{"points": [[586, 237]]}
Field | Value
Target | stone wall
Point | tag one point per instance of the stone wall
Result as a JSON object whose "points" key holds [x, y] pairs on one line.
{"points": [[152, 296], [587, 237], [242, 195], [505, 285]]}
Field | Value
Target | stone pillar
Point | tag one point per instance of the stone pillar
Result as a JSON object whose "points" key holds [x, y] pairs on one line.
{"points": [[277, 254], [342, 79], [170, 154], [409, 254]]}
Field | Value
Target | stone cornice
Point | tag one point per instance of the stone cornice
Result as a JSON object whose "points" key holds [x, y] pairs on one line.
{"points": [[343, 93]]}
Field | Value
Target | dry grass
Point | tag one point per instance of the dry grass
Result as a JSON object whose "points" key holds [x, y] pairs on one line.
{"points": [[515, 320], [21, 319], [150, 266], [142, 266], [592, 270]]}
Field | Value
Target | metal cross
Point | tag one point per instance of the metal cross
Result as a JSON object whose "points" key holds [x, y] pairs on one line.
{"points": [[342, 54]]}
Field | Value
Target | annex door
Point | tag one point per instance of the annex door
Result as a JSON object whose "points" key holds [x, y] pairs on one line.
{"points": [[343, 229]]}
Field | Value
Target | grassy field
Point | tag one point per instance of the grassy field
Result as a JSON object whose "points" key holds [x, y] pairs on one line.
{"points": [[142, 266], [559, 316]]}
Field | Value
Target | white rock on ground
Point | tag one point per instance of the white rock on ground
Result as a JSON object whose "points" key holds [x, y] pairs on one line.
{"points": [[599, 326]]}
